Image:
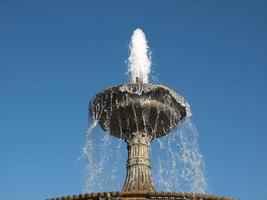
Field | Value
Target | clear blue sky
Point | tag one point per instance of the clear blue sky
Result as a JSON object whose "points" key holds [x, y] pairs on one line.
{"points": [[55, 55]]}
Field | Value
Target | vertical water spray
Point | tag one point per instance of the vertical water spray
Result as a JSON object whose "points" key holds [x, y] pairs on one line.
{"points": [[139, 61]]}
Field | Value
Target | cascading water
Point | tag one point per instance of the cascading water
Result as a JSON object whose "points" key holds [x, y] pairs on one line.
{"points": [[104, 155], [177, 164]]}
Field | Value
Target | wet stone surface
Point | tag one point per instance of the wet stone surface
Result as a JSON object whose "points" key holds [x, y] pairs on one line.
{"points": [[129, 108]]}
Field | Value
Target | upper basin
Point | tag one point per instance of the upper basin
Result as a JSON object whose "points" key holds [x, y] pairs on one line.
{"points": [[126, 109]]}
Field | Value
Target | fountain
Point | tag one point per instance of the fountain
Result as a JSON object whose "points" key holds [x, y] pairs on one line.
{"points": [[138, 113]]}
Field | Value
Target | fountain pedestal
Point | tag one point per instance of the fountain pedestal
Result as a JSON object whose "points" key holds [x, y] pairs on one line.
{"points": [[138, 177]]}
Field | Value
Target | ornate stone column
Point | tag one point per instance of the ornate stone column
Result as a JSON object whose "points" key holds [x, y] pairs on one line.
{"points": [[138, 177]]}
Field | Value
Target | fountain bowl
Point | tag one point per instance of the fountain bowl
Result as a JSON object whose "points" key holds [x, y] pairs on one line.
{"points": [[126, 109]]}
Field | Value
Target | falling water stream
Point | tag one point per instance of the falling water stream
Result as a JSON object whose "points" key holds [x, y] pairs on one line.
{"points": [[104, 156], [177, 164]]}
